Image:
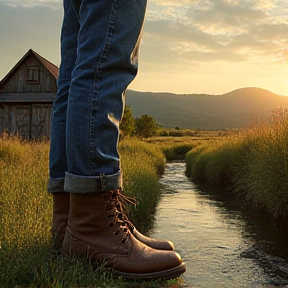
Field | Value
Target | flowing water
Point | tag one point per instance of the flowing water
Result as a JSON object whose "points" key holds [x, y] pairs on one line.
{"points": [[223, 243]]}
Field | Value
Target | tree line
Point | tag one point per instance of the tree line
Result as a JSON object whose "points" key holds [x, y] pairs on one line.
{"points": [[145, 126]]}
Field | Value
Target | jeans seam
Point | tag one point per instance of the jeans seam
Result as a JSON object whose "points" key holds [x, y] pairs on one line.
{"points": [[97, 79]]}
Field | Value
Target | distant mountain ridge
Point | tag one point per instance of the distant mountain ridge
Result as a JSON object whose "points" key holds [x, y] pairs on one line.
{"points": [[208, 112]]}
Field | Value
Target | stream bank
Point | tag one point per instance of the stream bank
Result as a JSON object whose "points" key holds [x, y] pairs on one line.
{"points": [[223, 243]]}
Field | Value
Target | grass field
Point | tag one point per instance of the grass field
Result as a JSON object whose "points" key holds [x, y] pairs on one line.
{"points": [[251, 163], [25, 215]]}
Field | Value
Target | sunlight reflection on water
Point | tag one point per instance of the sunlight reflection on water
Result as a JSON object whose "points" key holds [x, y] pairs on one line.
{"points": [[207, 236]]}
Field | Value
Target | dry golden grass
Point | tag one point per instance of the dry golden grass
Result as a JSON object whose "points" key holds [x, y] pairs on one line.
{"points": [[26, 209], [254, 163]]}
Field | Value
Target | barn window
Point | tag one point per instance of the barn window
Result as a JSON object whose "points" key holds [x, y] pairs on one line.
{"points": [[32, 74]]}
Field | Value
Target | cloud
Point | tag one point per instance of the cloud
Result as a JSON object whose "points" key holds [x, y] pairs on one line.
{"points": [[186, 36], [224, 15], [175, 33], [175, 3], [32, 3], [271, 32], [218, 30]]}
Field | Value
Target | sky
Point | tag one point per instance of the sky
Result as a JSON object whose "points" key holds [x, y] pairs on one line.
{"points": [[188, 46]]}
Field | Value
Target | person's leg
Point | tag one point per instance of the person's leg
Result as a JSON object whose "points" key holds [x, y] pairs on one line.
{"points": [[103, 71], [57, 157], [106, 64], [58, 161]]}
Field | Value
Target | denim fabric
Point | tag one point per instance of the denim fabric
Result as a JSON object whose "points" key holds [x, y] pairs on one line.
{"points": [[99, 53]]}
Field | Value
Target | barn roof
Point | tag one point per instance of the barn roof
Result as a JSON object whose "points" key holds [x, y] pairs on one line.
{"points": [[53, 69]]}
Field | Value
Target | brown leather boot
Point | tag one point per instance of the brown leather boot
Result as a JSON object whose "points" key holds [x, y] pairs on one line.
{"points": [[97, 231], [158, 244], [61, 205]]}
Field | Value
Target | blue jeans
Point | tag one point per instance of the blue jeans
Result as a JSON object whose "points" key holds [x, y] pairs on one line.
{"points": [[99, 55]]}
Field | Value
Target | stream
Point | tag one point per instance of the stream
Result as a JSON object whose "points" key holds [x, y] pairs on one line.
{"points": [[222, 242]]}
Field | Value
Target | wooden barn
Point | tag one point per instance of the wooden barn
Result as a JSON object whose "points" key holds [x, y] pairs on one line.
{"points": [[26, 96]]}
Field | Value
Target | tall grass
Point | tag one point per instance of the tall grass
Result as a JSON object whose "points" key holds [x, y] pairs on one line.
{"points": [[142, 164], [177, 151], [253, 164], [26, 209], [176, 148]]}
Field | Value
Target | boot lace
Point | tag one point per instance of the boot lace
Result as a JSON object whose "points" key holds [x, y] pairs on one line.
{"points": [[114, 207]]}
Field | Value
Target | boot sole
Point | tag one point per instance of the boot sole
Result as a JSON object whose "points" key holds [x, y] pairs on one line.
{"points": [[164, 275]]}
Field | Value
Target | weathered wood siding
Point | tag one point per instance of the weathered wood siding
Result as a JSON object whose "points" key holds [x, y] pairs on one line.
{"points": [[26, 96], [21, 81], [30, 121]]}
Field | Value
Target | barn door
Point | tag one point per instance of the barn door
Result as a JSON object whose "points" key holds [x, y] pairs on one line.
{"points": [[3, 119], [33, 121], [23, 120], [40, 122]]}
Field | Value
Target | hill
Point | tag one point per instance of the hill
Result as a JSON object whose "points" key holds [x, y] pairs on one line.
{"points": [[208, 112]]}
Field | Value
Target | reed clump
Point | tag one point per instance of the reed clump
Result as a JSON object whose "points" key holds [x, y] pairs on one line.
{"points": [[26, 210], [253, 164], [177, 151]]}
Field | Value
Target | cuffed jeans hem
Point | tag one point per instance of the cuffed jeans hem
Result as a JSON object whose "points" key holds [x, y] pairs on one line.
{"points": [[55, 185], [92, 184]]}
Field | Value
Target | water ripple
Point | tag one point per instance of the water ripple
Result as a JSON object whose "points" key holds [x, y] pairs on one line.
{"points": [[221, 246]]}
